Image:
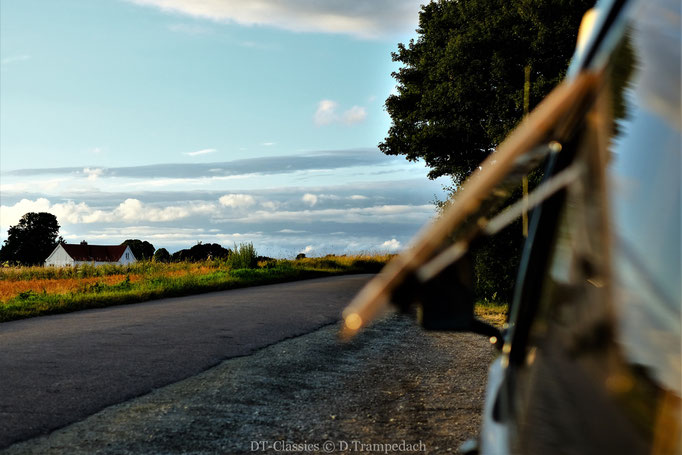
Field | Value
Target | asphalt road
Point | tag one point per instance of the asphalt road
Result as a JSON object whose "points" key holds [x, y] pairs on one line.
{"points": [[391, 383], [56, 370]]}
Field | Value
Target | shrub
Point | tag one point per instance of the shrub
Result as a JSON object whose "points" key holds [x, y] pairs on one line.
{"points": [[243, 257]]}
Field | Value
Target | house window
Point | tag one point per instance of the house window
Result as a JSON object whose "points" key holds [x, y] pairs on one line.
{"points": [[127, 255]]}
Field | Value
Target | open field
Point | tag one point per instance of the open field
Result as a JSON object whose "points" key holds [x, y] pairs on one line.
{"points": [[36, 291]]}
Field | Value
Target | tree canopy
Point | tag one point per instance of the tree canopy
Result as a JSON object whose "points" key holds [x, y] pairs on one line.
{"points": [[460, 89], [162, 255], [141, 248], [32, 240], [201, 251]]}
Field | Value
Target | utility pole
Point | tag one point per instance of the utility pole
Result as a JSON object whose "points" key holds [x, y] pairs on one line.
{"points": [[526, 108]]}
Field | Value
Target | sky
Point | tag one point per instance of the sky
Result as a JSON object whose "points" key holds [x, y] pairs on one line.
{"points": [[179, 121]]}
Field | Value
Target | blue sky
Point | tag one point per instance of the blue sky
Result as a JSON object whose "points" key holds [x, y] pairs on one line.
{"points": [[177, 121]]}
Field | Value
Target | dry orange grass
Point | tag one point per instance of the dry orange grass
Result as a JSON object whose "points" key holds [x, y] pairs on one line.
{"points": [[12, 288], [19, 280], [197, 270], [9, 289]]}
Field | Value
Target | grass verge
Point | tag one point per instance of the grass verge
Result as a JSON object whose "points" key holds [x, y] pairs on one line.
{"points": [[492, 313]]}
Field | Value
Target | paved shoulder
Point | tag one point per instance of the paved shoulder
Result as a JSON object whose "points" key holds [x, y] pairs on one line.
{"points": [[60, 369]]}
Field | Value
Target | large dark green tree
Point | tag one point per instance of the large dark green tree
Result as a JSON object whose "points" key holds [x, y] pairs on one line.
{"points": [[200, 252], [142, 250], [162, 255], [461, 90], [32, 240]]}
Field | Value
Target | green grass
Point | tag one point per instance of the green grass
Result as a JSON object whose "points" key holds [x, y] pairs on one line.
{"points": [[147, 280], [492, 312]]}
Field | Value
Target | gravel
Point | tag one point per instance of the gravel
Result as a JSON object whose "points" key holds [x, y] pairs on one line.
{"points": [[394, 384]]}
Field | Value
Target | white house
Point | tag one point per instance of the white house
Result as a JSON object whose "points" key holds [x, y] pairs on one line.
{"points": [[66, 254]]}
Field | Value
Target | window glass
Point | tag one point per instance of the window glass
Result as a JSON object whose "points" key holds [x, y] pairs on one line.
{"points": [[645, 194]]}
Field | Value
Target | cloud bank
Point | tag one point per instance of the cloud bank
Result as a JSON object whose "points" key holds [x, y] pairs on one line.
{"points": [[237, 200], [283, 204], [280, 222], [281, 164], [358, 18]]}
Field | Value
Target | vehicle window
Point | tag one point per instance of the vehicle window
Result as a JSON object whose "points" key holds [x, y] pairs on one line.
{"points": [[645, 198]]}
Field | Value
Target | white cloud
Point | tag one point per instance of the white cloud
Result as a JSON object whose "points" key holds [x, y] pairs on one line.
{"points": [[129, 211], [359, 18], [10, 215], [237, 200], [201, 152], [390, 245], [309, 199], [270, 205], [66, 212], [92, 173], [308, 249], [268, 144], [133, 210], [358, 197], [326, 114], [355, 114]]}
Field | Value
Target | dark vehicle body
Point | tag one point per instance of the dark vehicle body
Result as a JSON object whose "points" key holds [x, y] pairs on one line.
{"points": [[591, 362], [590, 359]]}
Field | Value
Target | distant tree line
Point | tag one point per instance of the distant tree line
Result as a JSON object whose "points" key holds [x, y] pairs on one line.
{"points": [[36, 235], [200, 252]]}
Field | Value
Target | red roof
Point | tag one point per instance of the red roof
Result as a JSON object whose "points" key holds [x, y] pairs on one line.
{"points": [[97, 253]]}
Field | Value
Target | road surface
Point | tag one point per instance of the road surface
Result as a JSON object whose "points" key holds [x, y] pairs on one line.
{"points": [[57, 370], [392, 389]]}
